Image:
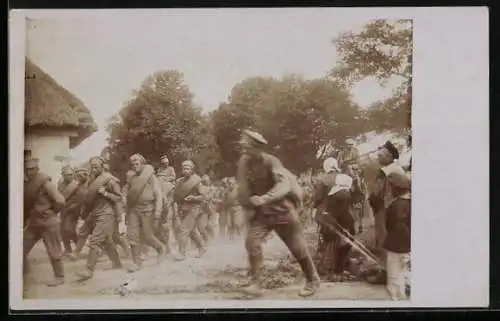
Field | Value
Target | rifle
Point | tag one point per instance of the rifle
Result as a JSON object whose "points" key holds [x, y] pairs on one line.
{"points": [[348, 238]]}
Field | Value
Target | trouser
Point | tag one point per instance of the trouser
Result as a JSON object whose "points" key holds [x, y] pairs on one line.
{"points": [[162, 230], [209, 216], [232, 221], [236, 221], [223, 222], [398, 274], [202, 225], [357, 212], [83, 234], [140, 230], [101, 239], [69, 222], [49, 235], [289, 229], [189, 225], [380, 235], [120, 240]]}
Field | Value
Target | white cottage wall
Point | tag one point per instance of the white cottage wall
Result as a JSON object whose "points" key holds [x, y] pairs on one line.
{"points": [[52, 149]]}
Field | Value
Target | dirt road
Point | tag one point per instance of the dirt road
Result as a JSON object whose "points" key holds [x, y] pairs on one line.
{"points": [[214, 276]]}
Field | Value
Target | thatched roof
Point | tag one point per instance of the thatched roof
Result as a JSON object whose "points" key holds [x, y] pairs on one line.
{"points": [[49, 105]]}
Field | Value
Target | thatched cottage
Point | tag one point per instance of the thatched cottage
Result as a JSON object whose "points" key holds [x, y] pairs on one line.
{"points": [[55, 120]]}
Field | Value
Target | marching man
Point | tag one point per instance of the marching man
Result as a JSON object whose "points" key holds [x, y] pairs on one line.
{"points": [[42, 202], [271, 196]]}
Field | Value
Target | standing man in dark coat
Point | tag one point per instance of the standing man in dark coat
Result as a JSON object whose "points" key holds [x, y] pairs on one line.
{"points": [[42, 202], [271, 196], [379, 199]]}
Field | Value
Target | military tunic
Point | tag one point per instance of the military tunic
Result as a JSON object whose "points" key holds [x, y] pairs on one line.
{"points": [[42, 202], [189, 211], [267, 177]]}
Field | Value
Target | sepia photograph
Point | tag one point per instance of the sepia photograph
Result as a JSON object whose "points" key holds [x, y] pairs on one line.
{"points": [[215, 155]]}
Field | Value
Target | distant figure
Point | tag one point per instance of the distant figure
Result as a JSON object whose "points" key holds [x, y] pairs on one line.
{"points": [[163, 229], [166, 171], [348, 156], [271, 196], [208, 210], [42, 202]]}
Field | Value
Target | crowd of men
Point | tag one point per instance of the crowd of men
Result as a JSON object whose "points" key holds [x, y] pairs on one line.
{"points": [[157, 209]]}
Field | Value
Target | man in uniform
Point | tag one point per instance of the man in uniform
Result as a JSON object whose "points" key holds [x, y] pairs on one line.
{"points": [[380, 198], [82, 176], [333, 192], [162, 230], [69, 218], [101, 199], [189, 195], [42, 202], [348, 156], [165, 170], [144, 209], [271, 196], [233, 212], [207, 211]]}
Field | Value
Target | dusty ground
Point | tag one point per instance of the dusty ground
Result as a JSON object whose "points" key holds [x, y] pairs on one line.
{"points": [[214, 276]]}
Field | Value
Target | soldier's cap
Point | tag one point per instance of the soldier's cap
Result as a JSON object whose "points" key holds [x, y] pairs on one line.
{"points": [[98, 159], [188, 163], [82, 170], [31, 163], [399, 180], [392, 149], [254, 137], [67, 169]]}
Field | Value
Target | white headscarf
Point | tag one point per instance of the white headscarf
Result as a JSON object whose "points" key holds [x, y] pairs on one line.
{"points": [[330, 164], [342, 182]]}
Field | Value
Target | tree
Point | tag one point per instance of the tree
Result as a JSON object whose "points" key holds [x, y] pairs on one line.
{"points": [[297, 116], [384, 50], [160, 118]]}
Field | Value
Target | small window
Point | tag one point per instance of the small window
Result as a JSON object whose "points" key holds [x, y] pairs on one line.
{"points": [[27, 153]]}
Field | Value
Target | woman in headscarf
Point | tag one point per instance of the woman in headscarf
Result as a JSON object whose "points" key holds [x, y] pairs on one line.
{"points": [[333, 194]]}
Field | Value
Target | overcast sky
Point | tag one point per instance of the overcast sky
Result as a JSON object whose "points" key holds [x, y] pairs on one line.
{"points": [[101, 58]]}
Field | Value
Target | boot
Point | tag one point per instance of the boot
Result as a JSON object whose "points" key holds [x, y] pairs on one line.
{"points": [[253, 284], [312, 277], [88, 271], [136, 258], [58, 268], [309, 289]]}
